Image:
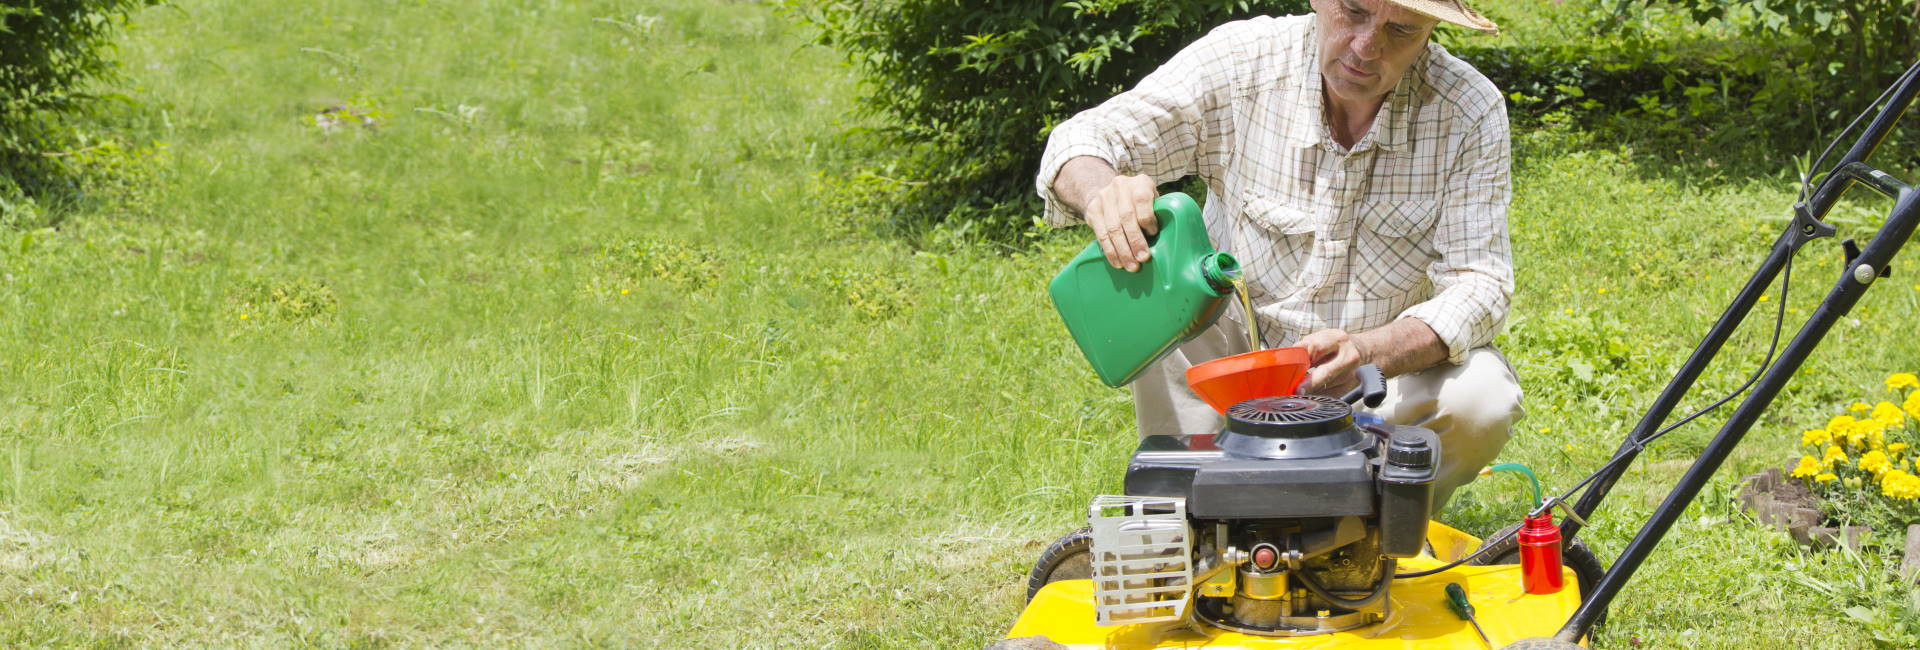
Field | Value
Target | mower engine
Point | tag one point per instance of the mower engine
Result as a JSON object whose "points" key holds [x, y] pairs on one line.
{"points": [[1285, 523]]}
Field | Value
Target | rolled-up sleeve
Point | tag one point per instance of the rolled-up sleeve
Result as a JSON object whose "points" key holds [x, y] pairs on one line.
{"points": [[1167, 127], [1473, 274]]}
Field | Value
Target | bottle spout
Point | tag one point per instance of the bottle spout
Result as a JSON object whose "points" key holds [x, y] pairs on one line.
{"points": [[1221, 271]]}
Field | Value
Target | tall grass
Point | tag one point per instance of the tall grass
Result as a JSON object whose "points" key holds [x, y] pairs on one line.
{"points": [[572, 345]]}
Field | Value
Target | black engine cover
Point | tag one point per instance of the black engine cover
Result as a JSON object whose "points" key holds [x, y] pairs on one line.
{"points": [[1219, 486]]}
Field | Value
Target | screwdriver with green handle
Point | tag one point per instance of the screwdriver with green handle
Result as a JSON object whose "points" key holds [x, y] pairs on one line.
{"points": [[1457, 601]]}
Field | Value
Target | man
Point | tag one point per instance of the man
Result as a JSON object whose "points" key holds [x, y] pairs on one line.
{"points": [[1360, 175]]}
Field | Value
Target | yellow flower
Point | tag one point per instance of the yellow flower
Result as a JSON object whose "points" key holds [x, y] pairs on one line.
{"points": [[1900, 484], [1888, 414], [1833, 455], [1899, 380], [1808, 467], [1841, 425], [1824, 477], [1875, 461], [1897, 447], [1864, 431], [1844, 428], [1912, 404], [1815, 438], [1859, 406]]}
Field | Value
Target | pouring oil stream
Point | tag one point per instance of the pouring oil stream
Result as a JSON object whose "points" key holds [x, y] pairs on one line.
{"points": [[1246, 308]]}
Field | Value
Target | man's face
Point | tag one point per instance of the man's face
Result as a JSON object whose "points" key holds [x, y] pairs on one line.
{"points": [[1367, 45]]}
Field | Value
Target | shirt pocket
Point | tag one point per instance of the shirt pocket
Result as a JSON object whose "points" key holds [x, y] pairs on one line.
{"points": [[1395, 247], [1276, 217], [1273, 241]]}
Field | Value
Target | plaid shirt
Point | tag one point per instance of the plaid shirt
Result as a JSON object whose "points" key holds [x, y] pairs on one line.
{"points": [[1409, 223]]}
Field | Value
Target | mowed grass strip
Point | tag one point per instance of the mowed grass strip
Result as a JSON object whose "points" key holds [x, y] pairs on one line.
{"points": [[528, 323]]}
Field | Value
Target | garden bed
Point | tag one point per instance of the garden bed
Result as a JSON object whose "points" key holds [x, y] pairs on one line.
{"points": [[1856, 488]]}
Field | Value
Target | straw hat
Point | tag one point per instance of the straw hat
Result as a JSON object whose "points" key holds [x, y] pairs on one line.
{"points": [[1451, 11]]}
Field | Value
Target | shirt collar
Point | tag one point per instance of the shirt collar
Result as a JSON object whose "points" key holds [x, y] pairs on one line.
{"points": [[1392, 127]]}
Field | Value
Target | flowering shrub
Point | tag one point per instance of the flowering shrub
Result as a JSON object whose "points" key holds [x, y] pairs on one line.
{"points": [[1868, 456]]}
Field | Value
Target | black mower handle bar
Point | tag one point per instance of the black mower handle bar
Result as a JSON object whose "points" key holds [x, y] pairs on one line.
{"points": [[1862, 268]]}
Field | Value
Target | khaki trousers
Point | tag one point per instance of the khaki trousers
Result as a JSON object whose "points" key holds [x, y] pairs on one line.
{"points": [[1472, 406]]}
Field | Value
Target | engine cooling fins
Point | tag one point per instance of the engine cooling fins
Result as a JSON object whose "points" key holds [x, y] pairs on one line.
{"points": [[1289, 409], [1291, 426]]}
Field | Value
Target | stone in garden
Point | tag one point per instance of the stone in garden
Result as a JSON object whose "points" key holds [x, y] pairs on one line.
{"points": [[1855, 536], [1754, 488], [1852, 537], [1790, 517], [1769, 510], [1795, 492], [1787, 517], [1784, 503], [1774, 513], [1776, 500], [1755, 502], [1802, 519], [1816, 536], [1910, 562]]}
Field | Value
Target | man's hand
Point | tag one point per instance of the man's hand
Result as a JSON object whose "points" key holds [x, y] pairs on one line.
{"points": [[1118, 208], [1403, 346], [1121, 217], [1335, 355]]}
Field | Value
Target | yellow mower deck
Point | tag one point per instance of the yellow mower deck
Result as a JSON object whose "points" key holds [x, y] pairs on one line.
{"points": [[1063, 612]]}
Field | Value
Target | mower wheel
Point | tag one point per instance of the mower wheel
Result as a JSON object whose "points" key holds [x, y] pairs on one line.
{"points": [[1069, 558], [1577, 556], [1542, 643]]}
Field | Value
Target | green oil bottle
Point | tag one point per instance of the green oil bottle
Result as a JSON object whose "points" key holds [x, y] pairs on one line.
{"points": [[1126, 321]]}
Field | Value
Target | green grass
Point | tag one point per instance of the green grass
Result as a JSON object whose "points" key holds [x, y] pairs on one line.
{"points": [[578, 345]]}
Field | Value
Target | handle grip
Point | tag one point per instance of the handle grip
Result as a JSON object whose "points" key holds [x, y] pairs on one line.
{"points": [[1372, 389], [1171, 208]]}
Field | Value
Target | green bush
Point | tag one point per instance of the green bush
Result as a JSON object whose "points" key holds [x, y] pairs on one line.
{"points": [[1858, 45], [1738, 76], [1648, 94], [973, 88], [52, 49]]}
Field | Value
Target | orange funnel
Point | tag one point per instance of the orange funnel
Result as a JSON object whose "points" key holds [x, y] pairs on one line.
{"points": [[1231, 380]]}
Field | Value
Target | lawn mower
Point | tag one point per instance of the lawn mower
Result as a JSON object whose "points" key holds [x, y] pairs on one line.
{"points": [[1305, 523]]}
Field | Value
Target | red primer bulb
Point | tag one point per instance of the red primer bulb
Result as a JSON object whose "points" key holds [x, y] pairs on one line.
{"points": [[1263, 557], [1540, 555]]}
